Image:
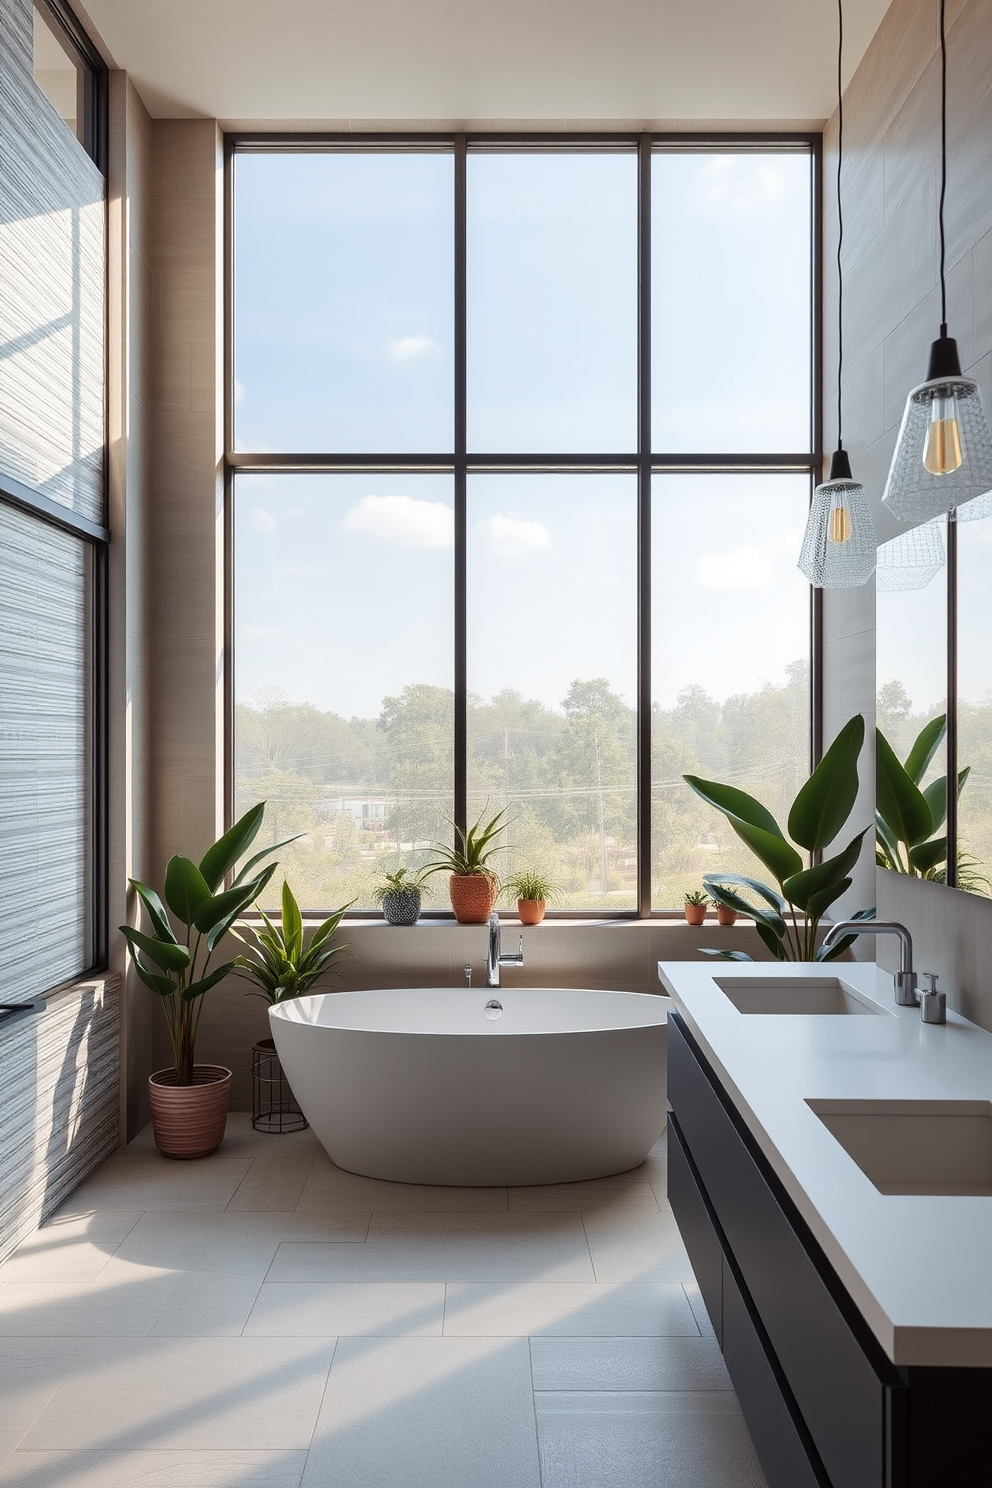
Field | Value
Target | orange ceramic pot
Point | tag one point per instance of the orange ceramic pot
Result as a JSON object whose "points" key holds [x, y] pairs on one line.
{"points": [[472, 897], [531, 911], [189, 1120], [725, 916], [695, 913]]}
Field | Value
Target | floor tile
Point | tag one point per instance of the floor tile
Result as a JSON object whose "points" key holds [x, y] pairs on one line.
{"points": [[44, 1256], [104, 1308], [205, 1305], [628, 1364], [220, 1393], [617, 1440], [622, 1190], [447, 1247], [147, 1181], [97, 1224], [695, 1299], [370, 1309], [228, 1241], [426, 1413], [636, 1246], [31, 1370], [563, 1309], [273, 1184], [329, 1187], [154, 1469]]}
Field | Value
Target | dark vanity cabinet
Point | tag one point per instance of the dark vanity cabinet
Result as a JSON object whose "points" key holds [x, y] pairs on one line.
{"points": [[824, 1405]]}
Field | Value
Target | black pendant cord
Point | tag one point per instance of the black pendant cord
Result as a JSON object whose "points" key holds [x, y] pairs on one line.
{"points": [[943, 165], [840, 214]]}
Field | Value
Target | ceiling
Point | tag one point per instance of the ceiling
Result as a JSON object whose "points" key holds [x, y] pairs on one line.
{"points": [[556, 63]]}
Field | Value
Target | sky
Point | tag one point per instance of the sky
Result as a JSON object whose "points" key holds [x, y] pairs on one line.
{"points": [[344, 334]]}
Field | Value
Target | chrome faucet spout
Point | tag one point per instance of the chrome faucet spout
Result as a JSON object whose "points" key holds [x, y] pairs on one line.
{"points": [[495, 958], [905, 978]]}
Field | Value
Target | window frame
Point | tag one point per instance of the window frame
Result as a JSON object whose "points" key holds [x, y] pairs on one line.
{"points": [[644, 463]]}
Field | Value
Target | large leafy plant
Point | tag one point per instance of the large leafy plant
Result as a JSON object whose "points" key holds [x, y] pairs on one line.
{"points": [[787, 918], [175, 963], [906, 814], [282, 961]]}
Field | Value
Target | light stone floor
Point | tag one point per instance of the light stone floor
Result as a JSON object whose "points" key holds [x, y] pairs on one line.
{"points": [[262, 1319]]}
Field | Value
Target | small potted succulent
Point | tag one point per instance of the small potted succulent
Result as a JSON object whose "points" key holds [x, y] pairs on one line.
{"points": [[532, 892], [472, 883], [695, 906], [724, 914], [400, 896]]}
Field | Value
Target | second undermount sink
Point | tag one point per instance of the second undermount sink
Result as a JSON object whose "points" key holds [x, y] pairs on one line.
{"points": [[939, 1147], [823, 995]]}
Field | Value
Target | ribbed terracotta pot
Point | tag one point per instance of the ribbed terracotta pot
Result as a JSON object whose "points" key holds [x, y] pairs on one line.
{"points": [[472, 897], [725, 916], [695, 913], [531, 911], [189, 1120]]}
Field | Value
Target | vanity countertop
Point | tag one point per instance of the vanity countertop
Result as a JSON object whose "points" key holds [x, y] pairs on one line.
{"points": [[918, 1267]]}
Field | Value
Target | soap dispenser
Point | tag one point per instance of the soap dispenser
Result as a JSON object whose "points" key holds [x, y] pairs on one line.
{"points": [[933, 1004]]}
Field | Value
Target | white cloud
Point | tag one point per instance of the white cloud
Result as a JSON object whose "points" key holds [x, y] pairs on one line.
{"points": [[404, 521], [405, 348], [743, 184], [262, 520], [741, 568], [510, 535]]}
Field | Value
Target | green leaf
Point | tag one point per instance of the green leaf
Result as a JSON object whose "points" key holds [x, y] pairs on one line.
{"points": [[164, 986], [186, 889], [927, 743], [724, 955], [245, 870], [887, 843], [901, 804], [292, 922], [712, 880], [926, 855], [166, 954], [821, 902], [825, 802], [774, 943], [832, 952], [936, 796], [217, 918], [218, 860], [815, 882], [724, 895], [197, 989], [734, 803], [155, 908]]}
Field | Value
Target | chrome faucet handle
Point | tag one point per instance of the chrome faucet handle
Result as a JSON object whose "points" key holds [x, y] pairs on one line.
{"points": [[905, 984], [933, 1004], [468, 973]]}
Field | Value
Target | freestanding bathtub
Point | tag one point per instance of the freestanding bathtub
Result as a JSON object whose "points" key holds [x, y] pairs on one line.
{"points": [[450, 1085]]}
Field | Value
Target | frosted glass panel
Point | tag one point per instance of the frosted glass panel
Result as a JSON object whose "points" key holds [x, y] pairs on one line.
{"points": [[45, 756]]}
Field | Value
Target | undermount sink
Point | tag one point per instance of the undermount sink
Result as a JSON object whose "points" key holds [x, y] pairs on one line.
{"points": [[915, 1146], [802, 995]]}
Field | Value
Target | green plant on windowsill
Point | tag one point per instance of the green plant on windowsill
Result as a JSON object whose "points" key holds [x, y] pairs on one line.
{"points": [[283, 961], [788, 917], [533, 892], [697, 898], [400, 895], [472, 883]]}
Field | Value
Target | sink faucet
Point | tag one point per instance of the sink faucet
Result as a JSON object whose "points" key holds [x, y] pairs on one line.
{"points": [[905, 977], [495, 959]]}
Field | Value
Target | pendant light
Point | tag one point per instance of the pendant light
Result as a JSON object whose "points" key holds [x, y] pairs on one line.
{"points": [[943, 456], [910, 560], [838, 549]]}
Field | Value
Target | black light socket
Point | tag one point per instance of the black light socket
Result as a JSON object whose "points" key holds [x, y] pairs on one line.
{"points": [[944, 359], [840, 466]]}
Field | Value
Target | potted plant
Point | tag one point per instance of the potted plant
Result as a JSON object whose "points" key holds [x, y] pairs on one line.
{"points": [[788, 918], [400, 895], [695, 907], [532, 891], [473, 885], [724, 914], [189, 1101]]}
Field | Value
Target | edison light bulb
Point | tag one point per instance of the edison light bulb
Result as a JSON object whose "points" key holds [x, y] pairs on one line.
{"points": [[942, 450], [840, 523]]}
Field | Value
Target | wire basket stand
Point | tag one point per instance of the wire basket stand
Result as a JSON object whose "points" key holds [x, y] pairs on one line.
{"points": [[274, 1107]]}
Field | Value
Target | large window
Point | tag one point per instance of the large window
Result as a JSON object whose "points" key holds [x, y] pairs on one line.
{"points": [[521, 451]]}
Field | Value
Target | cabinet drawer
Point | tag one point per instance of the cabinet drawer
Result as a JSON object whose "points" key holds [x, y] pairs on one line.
{"points": [[696, 1227]]}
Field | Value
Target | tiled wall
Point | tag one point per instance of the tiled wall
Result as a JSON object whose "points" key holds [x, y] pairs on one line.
{"points": [[891, 314]]}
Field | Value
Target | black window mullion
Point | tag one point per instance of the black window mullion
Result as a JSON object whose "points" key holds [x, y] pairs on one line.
{"points": [[951, 859], [460, 494], [644, 528]]}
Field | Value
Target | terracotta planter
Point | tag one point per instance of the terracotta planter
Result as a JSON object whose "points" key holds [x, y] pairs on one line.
{"points": [[725, 916], [695, 913], [189, 1120], [531, 911], [472, 897]]}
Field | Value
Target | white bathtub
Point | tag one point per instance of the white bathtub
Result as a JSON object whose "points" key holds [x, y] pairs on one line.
{"points": [[419, 1085]]}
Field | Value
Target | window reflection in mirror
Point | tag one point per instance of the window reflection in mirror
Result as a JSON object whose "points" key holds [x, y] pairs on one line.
{"points": [[974, 705]]}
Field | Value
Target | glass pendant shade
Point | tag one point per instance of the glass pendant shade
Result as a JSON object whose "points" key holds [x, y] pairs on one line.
{"points": [[910, 560], [838, 549], [943, 456]]}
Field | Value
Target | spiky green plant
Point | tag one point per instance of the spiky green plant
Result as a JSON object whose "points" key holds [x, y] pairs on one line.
{"points": [[283, 961]]}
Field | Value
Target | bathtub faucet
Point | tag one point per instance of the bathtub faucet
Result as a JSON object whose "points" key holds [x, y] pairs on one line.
{"points": [[495, 959]]}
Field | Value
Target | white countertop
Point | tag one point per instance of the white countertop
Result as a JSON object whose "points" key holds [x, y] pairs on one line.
{"points": [[919, 1268]]}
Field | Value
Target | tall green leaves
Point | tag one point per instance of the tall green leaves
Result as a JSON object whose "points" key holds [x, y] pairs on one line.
{"points": [[906, 815], [281, 962], [788, 920]]}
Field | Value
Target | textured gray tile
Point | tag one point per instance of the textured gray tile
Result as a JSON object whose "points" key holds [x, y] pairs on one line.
{"points": [[141, 1180], [635, 1246], [114, 1308], [154, 1469], [426, 1413], [368, 1309], [205, 1305], [96, 1225], [44, 1256], [31, 1370], [330, 1188], [270, 1184], [564, 1309], [220, 1393], [228, 1241], [617, 1440], [695, 1299], [624, 1190], [689, 1363]]}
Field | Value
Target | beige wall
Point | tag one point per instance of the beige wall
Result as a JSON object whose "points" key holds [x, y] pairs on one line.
{"points": [[891, 314]]}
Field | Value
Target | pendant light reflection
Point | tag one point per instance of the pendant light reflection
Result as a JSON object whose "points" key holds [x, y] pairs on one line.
{"points": [[838, 549], [911, 560]]}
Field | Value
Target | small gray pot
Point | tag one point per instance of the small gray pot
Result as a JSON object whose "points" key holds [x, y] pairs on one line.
{"points": [[401, 909]]}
